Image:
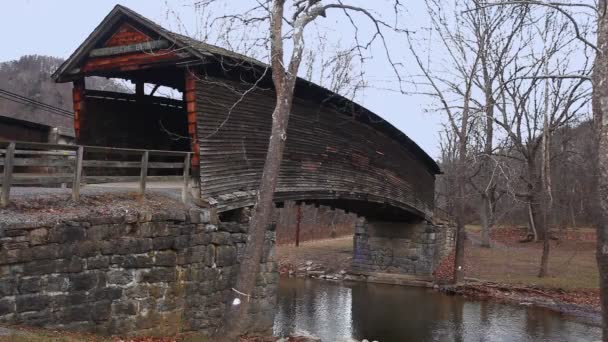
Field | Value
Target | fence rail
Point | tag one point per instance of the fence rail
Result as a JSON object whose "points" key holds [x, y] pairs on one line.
{"points": [[28, 163]]}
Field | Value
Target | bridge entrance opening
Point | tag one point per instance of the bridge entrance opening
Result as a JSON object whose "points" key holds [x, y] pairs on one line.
{"points": [[146, 109], [146, 118]]}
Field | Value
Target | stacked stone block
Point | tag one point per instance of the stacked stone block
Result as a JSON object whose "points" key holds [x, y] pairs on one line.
{"points": [[141, 273], [399, 247]]}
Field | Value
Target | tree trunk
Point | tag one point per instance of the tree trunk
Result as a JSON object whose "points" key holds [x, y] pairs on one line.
{"points": [[486, 212], [536, 210], [461, 180], [284, 80], [486, 220], [535, 190], [544, 260], [600, 115], [235, 318], [532, 224]]}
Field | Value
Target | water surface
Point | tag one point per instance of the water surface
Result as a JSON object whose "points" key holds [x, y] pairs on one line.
{"points": [[389, 313]]}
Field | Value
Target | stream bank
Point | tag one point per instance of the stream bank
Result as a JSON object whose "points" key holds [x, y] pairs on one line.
{"points": [[329, 260]]}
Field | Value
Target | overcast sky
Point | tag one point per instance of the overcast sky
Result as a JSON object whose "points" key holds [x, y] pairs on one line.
{"points": [[57, 27]]}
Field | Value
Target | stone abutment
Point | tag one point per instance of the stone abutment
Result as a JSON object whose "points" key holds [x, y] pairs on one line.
{"points": [[136, 271], [130, 266], [400, 252]]}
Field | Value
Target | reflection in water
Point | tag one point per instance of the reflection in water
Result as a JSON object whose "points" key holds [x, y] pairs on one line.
{"points": [[394, 313]]}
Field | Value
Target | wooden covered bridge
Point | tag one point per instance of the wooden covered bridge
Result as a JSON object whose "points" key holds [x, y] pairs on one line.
{"points": [[171, 267], [338, 153]]}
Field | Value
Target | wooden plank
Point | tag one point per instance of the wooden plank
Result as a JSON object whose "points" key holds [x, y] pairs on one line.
{"points": [[129, 179], [44, 162], [42, 153], [110, 95], [123, 49], [39, 179], [133, 151], [130, 61], [165, 165], [77, 174], [111, 164], [45, 146], [144, 173], [131, 165], [126, 34], [109, 179], [7, 175], [186, 178]]}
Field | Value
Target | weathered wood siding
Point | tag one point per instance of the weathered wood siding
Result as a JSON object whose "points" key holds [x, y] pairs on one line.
{"points": [[328, 155]]}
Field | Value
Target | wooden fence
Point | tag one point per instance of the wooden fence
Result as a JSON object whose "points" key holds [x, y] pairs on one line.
{"points": [[39, 164]]}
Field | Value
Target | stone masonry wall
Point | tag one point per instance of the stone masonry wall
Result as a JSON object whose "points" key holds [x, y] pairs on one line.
{"points": [[138, 273], [399, 247]]}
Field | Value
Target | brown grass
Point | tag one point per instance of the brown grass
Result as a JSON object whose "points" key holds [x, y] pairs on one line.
{"points": [[572, 263]]}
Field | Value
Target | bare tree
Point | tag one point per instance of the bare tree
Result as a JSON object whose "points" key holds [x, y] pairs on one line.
{"points": [[533, 107], [576, 22], [494, 32], [455, 99], [287, 22], [600, 116]]}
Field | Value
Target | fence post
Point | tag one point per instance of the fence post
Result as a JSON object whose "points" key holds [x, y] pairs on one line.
{"points": [[186, 177], [77, 174], [144, 173], [8, 174]]}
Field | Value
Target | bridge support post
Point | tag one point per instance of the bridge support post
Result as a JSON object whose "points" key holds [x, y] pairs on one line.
{"points": [[77, 174], [186, 178], [144, 173], [8, 174], [398, 252]]}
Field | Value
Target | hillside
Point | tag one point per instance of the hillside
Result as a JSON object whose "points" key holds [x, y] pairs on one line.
{"points": [[30, 76]]}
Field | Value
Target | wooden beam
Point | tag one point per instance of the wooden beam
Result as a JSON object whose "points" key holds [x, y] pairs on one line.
{"points": [[129, 61], [154, 89], [139, 89], [190, 100], [186, 178], [130, 48], [144, 173], [78, 100], [77, 174], [7, 175]]}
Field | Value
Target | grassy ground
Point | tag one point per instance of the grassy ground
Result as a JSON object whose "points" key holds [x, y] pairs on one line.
{"points": [[572, 262]]}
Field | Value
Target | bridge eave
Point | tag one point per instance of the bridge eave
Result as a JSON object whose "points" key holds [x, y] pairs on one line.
{"points": [[364, 204]]}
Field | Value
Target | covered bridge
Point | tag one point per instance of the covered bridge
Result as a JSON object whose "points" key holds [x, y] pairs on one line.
{"points": [[338, 153], [163, 268]]}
